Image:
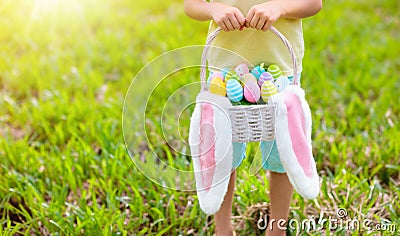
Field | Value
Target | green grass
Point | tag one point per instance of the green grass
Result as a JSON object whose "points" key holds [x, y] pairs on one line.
{"points": [[64, 73]]}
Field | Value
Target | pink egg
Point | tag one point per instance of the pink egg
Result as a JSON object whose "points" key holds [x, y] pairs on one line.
{"points": [[251, 91], [218, 75]]}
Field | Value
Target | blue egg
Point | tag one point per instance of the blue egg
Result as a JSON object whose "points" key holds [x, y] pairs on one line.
{"points": [[234, 90], [258, 70]]}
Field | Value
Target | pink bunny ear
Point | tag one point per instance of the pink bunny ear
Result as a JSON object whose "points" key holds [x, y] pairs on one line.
{"points": [[207, 144], [293, 139], [297, 131], [210, 140]]}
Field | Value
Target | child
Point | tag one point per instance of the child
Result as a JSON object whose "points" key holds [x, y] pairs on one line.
{"points": [[246, 24]]}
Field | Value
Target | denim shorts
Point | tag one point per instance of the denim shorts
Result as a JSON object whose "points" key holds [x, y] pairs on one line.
{"points": [[270, 156]]}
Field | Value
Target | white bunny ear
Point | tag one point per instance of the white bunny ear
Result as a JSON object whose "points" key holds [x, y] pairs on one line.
{"points": [[293, 139], [210, 140]]}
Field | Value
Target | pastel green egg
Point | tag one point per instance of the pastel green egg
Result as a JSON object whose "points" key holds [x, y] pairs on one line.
{"points": [[275, 71], [267, 90]]}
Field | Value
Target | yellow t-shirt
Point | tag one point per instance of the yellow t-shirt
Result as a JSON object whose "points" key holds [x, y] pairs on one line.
{"points": [[257, 46]]}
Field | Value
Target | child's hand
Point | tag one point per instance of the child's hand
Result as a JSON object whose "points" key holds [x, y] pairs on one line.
{"points": [[263, 15], [227, 17]]}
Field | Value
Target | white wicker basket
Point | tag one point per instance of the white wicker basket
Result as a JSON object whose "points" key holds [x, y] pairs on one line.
{"points": [[250, 123]]}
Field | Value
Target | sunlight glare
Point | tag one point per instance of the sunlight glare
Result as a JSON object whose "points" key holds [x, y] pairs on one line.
{"points": [[46, 5]]}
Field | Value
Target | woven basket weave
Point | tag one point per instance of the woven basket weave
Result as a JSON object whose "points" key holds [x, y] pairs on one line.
{"points": [[250, 123]]}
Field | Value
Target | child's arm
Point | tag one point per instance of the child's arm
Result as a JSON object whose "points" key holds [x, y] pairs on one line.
{"points": [[263, 15], [227, 17]]}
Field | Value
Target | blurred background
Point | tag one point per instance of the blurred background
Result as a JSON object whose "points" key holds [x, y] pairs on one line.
{"points": [[65, 68]]}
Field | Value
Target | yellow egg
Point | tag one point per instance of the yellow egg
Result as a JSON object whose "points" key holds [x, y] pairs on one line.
{"points": [[217, 86], [267, 90]]}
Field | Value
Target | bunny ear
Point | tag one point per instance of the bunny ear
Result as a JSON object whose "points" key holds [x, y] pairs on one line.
{"points": [[293, 139], [210, 140]]}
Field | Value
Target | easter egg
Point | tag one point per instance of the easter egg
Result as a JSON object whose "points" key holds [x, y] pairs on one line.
{"points": [[234, 90], [281, 83], [258, 70], [217, 86], [251, 91], [275, 71], [263, 77], [267, 90], [214, 74], [217, 74], [242, 69], [249, 76]]}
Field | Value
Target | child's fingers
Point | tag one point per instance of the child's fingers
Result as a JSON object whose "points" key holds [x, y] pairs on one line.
{"points": [[235, 23], [233, 19], [240, 18], [243, 25], [266, 26], [249, 16], [229, 25], [229, 19], [260, 24], [237, 19], [223, 26], [254, 21], [253, 18]]}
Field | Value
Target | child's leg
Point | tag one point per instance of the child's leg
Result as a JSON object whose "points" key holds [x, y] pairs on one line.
{"points": [[280, 188], [281, 195], [223, 225]]}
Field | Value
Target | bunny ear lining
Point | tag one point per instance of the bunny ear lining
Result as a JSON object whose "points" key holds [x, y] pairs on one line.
{"points": [[210, 140], [293, 139]]}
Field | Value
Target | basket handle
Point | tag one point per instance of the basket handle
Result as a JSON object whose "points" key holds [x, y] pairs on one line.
{"points": [[214, 34]]}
